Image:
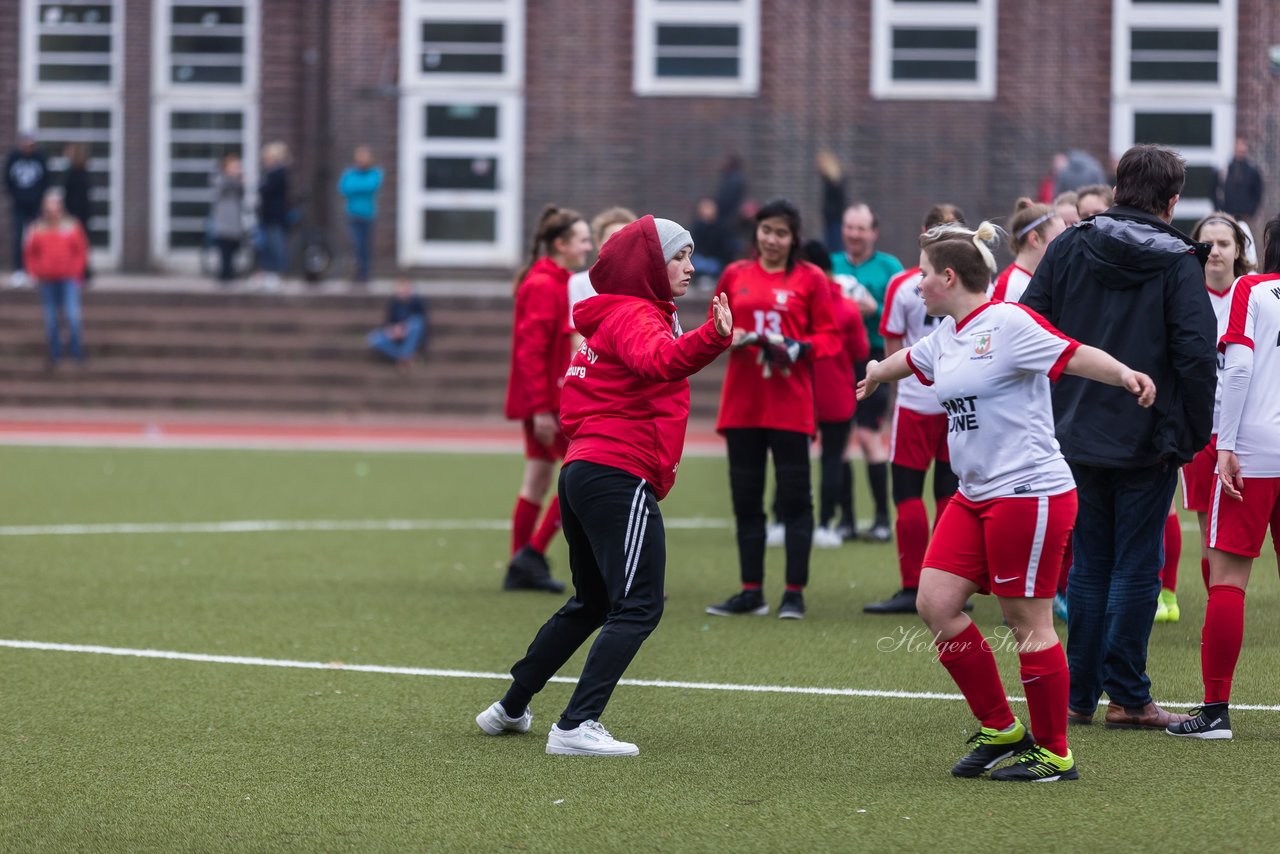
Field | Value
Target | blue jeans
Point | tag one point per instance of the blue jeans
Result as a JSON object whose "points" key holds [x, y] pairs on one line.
{"points": [[361, 241], [62, 296], [398, 349], [1115, 581], [275, 252]]}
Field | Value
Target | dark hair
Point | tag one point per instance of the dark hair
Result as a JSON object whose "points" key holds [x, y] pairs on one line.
{"points": [[1026, 212], [553, 224], [967, 252], [1148, 177], [1271, 256], [815, 252], [1242, 265], [940, 214], [786, 210]]}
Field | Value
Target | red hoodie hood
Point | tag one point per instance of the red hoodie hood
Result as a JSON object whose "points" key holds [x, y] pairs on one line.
{"points": [[631, 264]]}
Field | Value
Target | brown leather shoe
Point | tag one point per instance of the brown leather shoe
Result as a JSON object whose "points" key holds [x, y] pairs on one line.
{"points": [[1149, 716], [1078, 718]]}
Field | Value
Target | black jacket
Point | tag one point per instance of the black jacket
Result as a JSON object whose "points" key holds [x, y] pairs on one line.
{"points": [[1130, 284], [27, 178], [273, 197]]}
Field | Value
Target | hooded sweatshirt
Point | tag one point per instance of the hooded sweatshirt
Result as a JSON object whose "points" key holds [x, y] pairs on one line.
{"points": [[625, 401], [1126, 282], [541, 341]]}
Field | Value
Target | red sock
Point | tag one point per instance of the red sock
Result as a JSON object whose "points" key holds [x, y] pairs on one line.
{"points": [[1221, 640], [1204, 571], [795, 588], [549, 528], [912, 529], [968, 659], [1047, 682], [1068, 558], [1172, 553], [523, 518], [941, 504]]}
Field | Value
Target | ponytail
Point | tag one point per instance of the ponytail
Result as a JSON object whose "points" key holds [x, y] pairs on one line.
{"points": [[1027, 218], [553, 223], [967, 252]]}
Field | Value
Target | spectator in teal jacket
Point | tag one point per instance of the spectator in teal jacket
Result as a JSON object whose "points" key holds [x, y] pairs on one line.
{"points": [[359, 185]]}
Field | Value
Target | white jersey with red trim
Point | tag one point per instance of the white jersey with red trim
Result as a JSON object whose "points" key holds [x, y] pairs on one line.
{"points": [[905, 317], [1221, 303], [1254, 322], [991, 374], [1010, 284], [580, 288]]}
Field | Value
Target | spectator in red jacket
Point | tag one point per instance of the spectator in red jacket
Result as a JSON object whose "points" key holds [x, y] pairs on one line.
{"points": [[541, 347], [55, 253], [625, 408]]}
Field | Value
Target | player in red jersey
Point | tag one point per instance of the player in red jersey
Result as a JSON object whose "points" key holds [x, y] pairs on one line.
{"points": [[1032, 227], [1227, 263], [990, 364], [834, 403], [1246, 496], [785, 321], [541, 347], [918, 437]]}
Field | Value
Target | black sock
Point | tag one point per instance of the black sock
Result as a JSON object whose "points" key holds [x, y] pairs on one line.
{"points": [[516, 701], [846, 494], [566, 724], [878, 475]]}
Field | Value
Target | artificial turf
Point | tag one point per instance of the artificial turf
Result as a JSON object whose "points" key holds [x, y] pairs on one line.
{"points": [[105, 753]]}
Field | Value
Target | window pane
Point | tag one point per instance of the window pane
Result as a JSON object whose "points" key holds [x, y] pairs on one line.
{"points": [[693, 66], [1188, 72], [1200, 180], [459, 226], [54, 73], [60, 119], [461, 173], [1174, 40], [206, 121], [224, 74], [954, 39], [674, 36], [223, 45], [208, 16], [469, 31], [75, 44], [462, 121], [435, 62], [1188, 2], [1175, 129], [937, 70], [53, 14]]}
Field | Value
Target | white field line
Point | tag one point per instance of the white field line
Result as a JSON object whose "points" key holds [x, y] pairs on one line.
{"points": [[258, 526], [251, 661]]}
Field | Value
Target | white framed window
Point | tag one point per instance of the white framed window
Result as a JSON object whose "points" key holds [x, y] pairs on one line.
{"points": [[461, 189], [933, 49], [1173, 82], [1174, 48], [205, 45], [697, 47], [460, 42], [205, 77], [65, 122], [73, 45], [461, 151]]}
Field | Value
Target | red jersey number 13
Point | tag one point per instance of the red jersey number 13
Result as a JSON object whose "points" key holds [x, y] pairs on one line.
{"points": [[768, 322]]}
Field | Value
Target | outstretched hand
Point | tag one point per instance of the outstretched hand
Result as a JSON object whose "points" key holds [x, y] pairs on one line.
{"points": [[721, 314], [1140, 386], [868, 386]]}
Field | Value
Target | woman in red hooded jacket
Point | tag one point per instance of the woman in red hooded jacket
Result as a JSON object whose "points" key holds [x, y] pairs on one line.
{"points": [[625, 407], [541, 347]]}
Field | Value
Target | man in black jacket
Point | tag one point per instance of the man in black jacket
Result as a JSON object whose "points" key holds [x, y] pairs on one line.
{"points": [[1129, 283], [26, 176]]}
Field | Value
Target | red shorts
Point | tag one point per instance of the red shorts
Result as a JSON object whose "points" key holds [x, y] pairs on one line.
{"points": [[1011, 547], [917, 440], [1198, 477], [1240, 527], [535, 450]]}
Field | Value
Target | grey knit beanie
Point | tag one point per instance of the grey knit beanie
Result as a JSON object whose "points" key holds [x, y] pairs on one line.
{"points": [[673, 236]]}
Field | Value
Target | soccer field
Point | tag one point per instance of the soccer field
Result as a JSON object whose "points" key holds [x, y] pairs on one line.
{"points": [[758, 734]]}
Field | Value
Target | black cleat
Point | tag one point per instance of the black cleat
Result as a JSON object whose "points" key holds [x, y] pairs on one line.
{"points": [[529, 570], [745, 602], [1209, 722], [1038, 765], [880, 532], [991, 747], [792, 607], [847, 531], [902, 602]]}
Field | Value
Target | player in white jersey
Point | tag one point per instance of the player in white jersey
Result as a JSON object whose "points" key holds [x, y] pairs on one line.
{"points": [[990, 364], [918, 435], [1226, 264], [604, 225], [1246, 496], [1032, 228]]}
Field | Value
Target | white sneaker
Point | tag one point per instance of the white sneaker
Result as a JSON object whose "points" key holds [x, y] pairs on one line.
{"points": [[827, 538], [19, 279], [775, 534], [494, 720], [589, 739]]}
